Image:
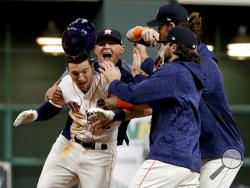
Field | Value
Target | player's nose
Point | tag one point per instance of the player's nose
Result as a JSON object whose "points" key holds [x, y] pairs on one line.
{"points": [[82, 77], [107, 45]]}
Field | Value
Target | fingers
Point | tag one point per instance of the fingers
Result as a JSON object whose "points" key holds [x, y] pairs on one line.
{"points": [[95, 114], [18, 120], [49, 92], [107, 64], [92, 117], [100, 114], [156, 35], [110, 71], [101, 70], [57, 97], [54, 92], [25, 117], [150, 36], [101, 124], [57, 94], [105, 124]]}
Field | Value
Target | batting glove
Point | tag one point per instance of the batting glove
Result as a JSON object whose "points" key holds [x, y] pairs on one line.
{"points": [[95, 114], [150, 36], [25, 117]]}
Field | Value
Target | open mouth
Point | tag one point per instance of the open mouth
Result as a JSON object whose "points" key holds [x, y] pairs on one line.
{"points": [[107, 55]]}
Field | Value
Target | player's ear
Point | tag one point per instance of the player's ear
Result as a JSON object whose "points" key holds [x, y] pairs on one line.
{"points": [[172, 25], [122, 49], [173, 47]]}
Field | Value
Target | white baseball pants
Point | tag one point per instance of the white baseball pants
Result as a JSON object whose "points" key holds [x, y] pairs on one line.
{"points": [[64, 167], [223, 180], [157, 174]]}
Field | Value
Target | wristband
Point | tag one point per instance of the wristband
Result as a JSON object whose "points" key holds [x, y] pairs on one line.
{"points": [[124, 105], [137, 31]]}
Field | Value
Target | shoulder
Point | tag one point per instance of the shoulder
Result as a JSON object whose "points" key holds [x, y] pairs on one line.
{"points": [[126, 66], [66, 79], [167, 69], [125, 69]]}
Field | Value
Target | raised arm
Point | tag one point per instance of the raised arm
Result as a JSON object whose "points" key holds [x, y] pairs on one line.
{"points": [[143, 35], [44, 112]]}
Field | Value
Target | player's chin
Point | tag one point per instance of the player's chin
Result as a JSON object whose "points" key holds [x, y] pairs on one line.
{"points": [[83, 88]]}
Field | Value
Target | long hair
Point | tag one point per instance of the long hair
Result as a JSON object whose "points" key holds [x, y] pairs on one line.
{"points": [[186, 54], [195, 23]]}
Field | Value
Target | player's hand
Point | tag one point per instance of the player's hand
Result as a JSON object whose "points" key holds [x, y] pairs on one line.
{"points": [[110, 71], [25, 117], [142, 50], [55, 94], [137, 61], [96, 114], [136, 65], [150, 36], [111, 102]]}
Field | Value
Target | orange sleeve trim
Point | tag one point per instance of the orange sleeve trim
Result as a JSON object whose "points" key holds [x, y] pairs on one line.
{"points": [[124, 105], [137, 31]]}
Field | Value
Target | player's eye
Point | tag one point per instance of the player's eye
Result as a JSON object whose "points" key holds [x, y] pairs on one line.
{"points": [[75, 74]]}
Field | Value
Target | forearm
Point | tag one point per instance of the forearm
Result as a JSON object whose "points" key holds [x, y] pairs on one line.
{"points": [[138, 111], [44, 112], [137, 114], [134, 34], [47, 111]]}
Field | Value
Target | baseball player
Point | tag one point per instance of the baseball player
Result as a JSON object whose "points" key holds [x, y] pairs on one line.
{"points": [[218, 128], [81, 89], [111, 50], [90, 155], [109, 47], [174, 93], [92, 149]]}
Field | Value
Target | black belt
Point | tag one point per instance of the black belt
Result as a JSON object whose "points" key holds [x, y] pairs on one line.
{"points": [[91, 145]]}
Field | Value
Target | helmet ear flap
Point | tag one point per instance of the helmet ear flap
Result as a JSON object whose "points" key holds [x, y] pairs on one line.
{"points": [[79, 38]]}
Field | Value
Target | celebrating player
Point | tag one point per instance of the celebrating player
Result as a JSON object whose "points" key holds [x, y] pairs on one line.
{"points": [[91, 152], [174, 93], [92, 144], [218, 128]]}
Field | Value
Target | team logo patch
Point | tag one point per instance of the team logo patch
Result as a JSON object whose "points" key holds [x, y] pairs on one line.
{"points": [[107, 32]]}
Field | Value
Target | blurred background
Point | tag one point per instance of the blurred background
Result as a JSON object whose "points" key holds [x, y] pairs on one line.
{"points": [[27, 70]]}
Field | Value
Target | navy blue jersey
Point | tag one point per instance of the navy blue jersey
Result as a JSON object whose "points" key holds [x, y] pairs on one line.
{"points": [[174, 93], [218, 128]]}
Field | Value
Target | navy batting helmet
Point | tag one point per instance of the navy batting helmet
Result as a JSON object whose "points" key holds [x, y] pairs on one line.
{"points": [[79, 38]]}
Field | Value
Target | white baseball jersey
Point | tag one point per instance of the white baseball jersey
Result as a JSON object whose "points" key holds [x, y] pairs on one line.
{"points": [[79, 103], [70, 163]]}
